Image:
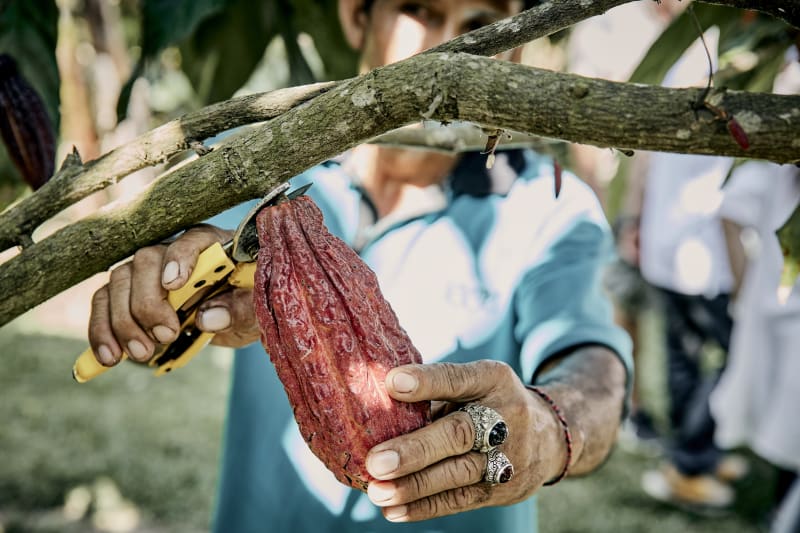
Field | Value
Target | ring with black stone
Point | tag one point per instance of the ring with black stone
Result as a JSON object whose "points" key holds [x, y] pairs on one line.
{"points": [[490, 428], [498, 468]]}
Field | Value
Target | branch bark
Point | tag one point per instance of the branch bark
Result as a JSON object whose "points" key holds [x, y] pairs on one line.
{"points": [[539, 21], [443, 87]]}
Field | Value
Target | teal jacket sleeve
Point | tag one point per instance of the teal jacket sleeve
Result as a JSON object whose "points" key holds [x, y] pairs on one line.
{"points": [[560, 303]]}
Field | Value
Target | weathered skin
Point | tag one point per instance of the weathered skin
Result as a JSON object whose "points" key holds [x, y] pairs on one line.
{"points": [[332, 338]]}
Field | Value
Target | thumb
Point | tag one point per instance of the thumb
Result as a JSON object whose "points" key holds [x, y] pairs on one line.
{"points": [[455, 382], [230, 315]]}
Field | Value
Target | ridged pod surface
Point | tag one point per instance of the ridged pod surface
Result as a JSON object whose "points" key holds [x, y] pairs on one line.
{"points": [[25, 127], [332, 338]]}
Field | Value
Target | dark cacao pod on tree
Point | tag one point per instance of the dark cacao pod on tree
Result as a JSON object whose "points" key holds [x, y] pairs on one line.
{"points": [[25, 127], [332, 338]]}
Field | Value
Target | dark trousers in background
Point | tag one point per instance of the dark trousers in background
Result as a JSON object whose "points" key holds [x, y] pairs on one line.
{"points": [[690, 322]]}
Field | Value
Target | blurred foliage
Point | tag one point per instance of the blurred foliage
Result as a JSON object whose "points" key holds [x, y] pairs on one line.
{"points": [[220, 56], [789, 237], [165, 22], [12, 186], [222, 41], [750, 50]]}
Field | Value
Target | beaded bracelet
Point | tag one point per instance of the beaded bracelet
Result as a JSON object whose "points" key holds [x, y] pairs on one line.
{"points": [[567, 435]]}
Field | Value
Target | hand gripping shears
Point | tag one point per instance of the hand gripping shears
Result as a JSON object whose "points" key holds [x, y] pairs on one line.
{"points": [[219, 268]]}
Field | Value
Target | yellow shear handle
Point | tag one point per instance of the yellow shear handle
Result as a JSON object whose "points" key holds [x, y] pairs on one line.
{"points": [[213, 264]]}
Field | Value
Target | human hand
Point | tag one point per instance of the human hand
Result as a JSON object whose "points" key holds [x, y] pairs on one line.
{"points": [[131, 313], [432, 472]]}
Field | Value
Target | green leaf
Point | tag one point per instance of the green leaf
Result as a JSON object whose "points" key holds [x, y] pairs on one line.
{"points": [[28, 33], [299, 71], [12, 186], [224, 50], [222, 54], [125, 92], [222, 41], [320, 19], [762, 42], [789, 237], [761, 77], [167, 22], [679, 36]]}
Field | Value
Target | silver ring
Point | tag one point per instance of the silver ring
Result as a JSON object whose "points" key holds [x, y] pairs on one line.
{"points": [[498, 468], [490, 428]]}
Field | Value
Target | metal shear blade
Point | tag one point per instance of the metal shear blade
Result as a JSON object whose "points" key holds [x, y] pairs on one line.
{"points": [[245, 239]]}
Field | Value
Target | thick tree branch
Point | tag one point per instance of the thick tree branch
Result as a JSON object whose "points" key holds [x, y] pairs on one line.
{"points": [[442, 87], [74, 182]]}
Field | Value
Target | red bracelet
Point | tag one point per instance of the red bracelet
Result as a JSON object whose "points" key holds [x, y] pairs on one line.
{"points": [[567, 435]]}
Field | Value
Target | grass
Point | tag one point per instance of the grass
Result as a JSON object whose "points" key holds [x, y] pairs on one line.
{"points": [[153, 442], [130, 452]]}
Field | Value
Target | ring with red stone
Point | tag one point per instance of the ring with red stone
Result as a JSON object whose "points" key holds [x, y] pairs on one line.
{"points": [[498, 468], [490, 428]]}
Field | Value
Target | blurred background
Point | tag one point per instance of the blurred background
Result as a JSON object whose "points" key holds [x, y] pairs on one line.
{"points": [[132, 453]]}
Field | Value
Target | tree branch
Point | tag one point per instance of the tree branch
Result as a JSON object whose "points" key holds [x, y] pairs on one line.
{"points": [[786, 10], [539, 21], [443, 87], [74, 182]]}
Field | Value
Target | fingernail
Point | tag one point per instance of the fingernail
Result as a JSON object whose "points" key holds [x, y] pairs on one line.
{"points": [[395, 513], [383, 463], [171, 273], [403, 382], [105, 355], [137, 350], [163, 334], [215, 319], [378, 493]]}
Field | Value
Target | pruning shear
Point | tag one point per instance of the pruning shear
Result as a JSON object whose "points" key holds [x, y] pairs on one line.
{"points": [[219, 267]]}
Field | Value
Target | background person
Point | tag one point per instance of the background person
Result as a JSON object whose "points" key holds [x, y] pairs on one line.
{"points": [[684, 255], [755, 401]]}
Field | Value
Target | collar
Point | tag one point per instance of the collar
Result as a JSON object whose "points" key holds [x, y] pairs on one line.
{"points": [[472, 178], [469, 177]]}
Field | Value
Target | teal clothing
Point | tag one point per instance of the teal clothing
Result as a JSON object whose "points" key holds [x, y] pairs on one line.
{"points": [[493, 266]]}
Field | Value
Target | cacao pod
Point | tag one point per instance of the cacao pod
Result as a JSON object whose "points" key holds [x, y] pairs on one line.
{"points": [[332, 338], [25, 127]]}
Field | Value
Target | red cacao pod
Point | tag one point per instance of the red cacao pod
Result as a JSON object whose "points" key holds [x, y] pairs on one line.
{"points": [[332, 338]]}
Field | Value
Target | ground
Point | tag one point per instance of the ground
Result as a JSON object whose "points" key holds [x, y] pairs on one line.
{"points": [[129, 452]]}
